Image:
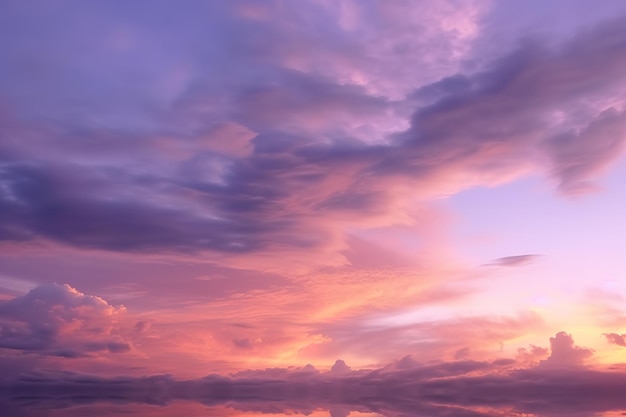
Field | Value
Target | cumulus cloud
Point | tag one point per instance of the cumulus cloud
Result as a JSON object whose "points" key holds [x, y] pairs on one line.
{"points": [[340, 367], [564, 353], [59, 320]]}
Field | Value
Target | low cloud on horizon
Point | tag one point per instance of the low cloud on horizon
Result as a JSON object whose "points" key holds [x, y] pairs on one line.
{"points": [[559, 384]]}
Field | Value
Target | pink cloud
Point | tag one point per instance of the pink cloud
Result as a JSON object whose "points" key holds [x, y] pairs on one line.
{"points": [[434, 339], [531, 355], [58, 320], [564, 353], [616, 339], [486, 388]]}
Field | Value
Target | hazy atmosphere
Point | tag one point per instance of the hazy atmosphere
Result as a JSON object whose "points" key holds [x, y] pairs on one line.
{"points": [[364, 208]]}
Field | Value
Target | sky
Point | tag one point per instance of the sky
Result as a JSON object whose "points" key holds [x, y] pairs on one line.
{"points": [[225, 188]]}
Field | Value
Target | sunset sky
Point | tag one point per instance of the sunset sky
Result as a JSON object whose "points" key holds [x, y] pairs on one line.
{"points": [[220, 187]]}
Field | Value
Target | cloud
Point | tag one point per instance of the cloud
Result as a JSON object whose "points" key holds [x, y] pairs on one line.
{"points": [[531, 355], [340, 367], [564, 353], [271, 135], [515, 260], [142, 326], [276, 150], [244, 343], [58, 320], [580, 155], [462, 353], [616, 339], [383, 338], [510, 109], [460, 388]]}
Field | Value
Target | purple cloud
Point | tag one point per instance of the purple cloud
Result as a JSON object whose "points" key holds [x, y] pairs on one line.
{"points": [[515, 260], [340, 367], [312, 153], [58, 320], [460, 387], [580, 155], [564, 353]]}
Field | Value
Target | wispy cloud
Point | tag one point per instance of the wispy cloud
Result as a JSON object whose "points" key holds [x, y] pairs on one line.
{"points": [[514, 260]]}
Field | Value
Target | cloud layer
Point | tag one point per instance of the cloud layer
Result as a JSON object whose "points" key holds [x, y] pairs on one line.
{"points": [[403, 388], [291, 155]]}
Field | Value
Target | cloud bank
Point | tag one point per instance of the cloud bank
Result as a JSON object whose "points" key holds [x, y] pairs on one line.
{"points": [[405, 387]]}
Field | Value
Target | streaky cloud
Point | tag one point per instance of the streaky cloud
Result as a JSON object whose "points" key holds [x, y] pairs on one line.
{"points": [[513, 260]]}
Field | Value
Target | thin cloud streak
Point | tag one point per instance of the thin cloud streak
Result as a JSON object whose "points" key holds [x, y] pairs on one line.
{"points": [[514, 260]]}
